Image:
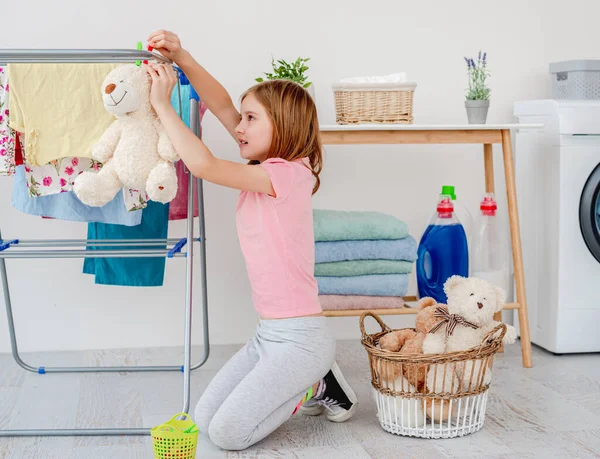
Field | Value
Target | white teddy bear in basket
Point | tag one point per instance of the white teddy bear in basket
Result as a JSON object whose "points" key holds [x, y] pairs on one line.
{"points": [[472, 303]]}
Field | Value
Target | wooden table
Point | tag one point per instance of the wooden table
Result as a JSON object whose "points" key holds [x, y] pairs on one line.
{"points": [[487, 135]]}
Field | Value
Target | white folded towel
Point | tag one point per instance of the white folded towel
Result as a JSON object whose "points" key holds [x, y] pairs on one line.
{"points": [[392, 78]]}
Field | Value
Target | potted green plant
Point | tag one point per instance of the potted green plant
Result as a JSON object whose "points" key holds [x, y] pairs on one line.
{"points": [[478, 94], [295, 71]]}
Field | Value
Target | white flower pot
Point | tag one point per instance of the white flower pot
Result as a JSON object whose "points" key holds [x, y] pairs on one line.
{"points": [[477, 111]]}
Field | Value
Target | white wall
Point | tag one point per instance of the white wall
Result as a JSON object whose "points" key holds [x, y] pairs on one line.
{"points": [[56, 307]]}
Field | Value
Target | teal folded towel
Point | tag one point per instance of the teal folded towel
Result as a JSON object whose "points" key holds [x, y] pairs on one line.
{"points": [[363, 267], [338, 225], [377, 285]]}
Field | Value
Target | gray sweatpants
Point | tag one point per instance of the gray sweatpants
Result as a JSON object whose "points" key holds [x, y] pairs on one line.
{"points": [[260, 386]]}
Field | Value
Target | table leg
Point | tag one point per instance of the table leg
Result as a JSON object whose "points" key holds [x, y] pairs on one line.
{"points": [[488, 161], [513, 215]]}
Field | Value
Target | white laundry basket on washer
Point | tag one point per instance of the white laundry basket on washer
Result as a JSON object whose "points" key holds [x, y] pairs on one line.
{"points": [[576, 80]]}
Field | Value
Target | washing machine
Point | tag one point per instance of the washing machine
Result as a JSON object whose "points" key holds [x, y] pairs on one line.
{"points": [[558, 189]]}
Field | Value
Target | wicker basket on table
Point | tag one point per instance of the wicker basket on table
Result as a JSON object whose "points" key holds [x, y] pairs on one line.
{"points": [[375, 103], [404, 404]]}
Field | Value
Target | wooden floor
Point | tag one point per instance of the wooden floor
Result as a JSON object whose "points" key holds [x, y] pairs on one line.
{"points": [[549, 411]]}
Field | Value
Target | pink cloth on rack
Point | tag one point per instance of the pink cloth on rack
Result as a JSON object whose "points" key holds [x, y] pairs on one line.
{"points": [[18, 149], [178, 206], [338, 302]]}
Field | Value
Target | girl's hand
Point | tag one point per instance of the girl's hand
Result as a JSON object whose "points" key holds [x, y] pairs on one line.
{"points": [[164, 79], [166, 43]]}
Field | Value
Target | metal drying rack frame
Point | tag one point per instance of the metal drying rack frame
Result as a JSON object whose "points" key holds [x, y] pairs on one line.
{"points": [[76, 248]]}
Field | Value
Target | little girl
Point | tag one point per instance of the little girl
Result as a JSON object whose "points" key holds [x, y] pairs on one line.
{"points": [[290, 360]]}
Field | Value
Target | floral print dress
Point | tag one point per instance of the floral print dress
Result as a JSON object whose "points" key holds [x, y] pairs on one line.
{"points": [[7, 135]]}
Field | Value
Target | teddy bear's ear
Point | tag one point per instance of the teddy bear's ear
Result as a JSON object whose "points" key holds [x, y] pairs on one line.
{"points": [[425, 302], [500, 298], [452, 282]]}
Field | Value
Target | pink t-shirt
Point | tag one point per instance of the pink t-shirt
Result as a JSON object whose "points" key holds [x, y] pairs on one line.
{"points": [[277, 239]]}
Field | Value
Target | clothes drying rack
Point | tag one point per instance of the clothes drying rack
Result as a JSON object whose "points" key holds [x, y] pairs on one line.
{"points": [[121, 248]]}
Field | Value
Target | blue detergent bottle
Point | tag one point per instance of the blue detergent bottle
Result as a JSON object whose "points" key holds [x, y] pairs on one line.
{"points": [[442, 251]]}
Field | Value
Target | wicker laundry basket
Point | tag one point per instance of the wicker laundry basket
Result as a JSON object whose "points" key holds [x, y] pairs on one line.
{"points": [[460, 380], [375, 103]]}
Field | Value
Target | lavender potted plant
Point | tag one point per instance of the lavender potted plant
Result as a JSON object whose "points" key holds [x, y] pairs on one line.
{"points": [[478, 94]]}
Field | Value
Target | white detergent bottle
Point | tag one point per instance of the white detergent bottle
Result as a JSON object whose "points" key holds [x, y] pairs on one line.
{"points": [[490, 253]]}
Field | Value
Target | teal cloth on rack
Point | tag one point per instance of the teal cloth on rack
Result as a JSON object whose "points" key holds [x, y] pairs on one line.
{"points": [[132, 272]]}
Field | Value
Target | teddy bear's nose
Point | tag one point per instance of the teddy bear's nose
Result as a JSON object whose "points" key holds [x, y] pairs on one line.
{"points": [[110, 88], [479, 305]]}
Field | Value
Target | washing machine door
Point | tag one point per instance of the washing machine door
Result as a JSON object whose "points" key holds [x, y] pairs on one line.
{"points": [[589, 213]]}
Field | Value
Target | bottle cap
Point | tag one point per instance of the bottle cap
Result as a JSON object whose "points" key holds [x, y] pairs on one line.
{"points": [[445, 207], [449, 190], [488, 206]]}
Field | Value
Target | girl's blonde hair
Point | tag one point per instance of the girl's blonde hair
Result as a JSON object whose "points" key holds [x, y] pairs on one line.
{"points": [[295, 123]]}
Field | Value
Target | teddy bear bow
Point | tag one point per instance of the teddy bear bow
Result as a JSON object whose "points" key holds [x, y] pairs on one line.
{"points": [[452, 319]]}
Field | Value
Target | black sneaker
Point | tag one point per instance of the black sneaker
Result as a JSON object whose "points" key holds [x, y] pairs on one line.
{"points": [[338, 398]]}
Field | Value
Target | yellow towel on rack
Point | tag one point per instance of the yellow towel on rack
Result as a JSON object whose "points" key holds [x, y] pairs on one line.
{"points": [[58, 107]]}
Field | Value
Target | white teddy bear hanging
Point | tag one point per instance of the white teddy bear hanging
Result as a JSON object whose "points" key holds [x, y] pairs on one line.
{"points": [[135, 150]]}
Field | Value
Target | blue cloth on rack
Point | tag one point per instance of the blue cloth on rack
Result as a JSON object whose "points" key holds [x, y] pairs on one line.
{"points": [[185, 102], [66, 206], [370, 285], [384, 249], [133, 272]]}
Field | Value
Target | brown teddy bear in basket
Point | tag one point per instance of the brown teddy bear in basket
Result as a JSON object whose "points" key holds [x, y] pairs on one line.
{"points": [[407, 341]]}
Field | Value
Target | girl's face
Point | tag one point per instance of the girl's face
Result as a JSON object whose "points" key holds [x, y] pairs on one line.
{"points": [[255, 130]]}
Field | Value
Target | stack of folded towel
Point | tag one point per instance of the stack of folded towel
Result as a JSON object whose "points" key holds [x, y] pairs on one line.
{"points": [[362, 259]]}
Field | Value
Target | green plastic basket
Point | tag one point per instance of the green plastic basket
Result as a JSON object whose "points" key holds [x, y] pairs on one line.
{"points": [[175, 439]]}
